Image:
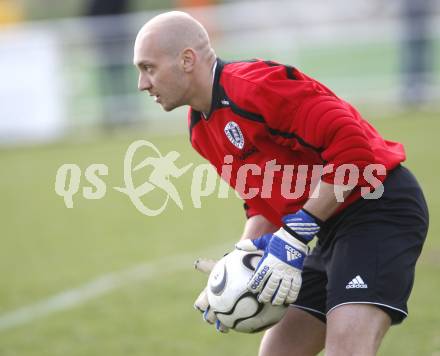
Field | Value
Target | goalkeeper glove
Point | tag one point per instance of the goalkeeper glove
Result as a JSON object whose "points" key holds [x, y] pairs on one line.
{"points": [[202, 303], [277, 277]]}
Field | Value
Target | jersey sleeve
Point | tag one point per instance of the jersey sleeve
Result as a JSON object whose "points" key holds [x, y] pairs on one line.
{"points": [[330, 126], [250, 211], [327, 125]]}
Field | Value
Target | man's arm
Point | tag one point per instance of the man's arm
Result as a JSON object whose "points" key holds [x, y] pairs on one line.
{"points": [[257, 226], [322, 207], [325, 203]]}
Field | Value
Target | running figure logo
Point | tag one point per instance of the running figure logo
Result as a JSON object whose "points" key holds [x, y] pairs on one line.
{"points": [[164, 167]]}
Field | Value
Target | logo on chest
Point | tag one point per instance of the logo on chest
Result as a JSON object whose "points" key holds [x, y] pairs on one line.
{"points": [[234, 134]]}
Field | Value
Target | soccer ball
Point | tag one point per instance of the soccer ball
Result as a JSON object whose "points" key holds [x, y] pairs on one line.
{"points": [[229, 298]]}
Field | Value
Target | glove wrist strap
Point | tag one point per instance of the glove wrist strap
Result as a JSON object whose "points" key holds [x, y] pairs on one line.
{"points": [[317, 220], [295, 235], [302, 216], [284, 234]]}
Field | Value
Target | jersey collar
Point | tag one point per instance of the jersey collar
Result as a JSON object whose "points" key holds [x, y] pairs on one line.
{"points": [[216, 90]]}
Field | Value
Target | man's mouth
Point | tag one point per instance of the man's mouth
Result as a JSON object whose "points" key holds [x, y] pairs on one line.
{"points": [[156, 98]]}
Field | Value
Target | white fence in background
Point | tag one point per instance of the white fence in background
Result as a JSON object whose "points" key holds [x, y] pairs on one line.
{"points": [[63, 76]]}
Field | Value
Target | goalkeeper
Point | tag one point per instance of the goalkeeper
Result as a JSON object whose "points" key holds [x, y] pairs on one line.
{"points": [[356, 282]]}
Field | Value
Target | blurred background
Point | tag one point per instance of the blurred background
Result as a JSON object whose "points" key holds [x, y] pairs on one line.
{"points": [[95, 279], [71, 61]]}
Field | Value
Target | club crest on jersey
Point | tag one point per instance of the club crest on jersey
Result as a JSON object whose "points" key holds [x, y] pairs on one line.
{"points": [[234, 134]]}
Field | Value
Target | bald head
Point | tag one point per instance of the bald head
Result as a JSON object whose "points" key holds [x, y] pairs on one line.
{"points": [[174, 31], [174, 57]]}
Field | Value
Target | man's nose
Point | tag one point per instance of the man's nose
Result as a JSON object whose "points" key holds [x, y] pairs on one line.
{"points": [[144, 83]]}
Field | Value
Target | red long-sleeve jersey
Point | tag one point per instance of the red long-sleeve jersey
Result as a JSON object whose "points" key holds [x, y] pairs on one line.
{"points": [[261, 111]]}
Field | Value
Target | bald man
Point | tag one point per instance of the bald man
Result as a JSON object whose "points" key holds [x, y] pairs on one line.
{"points": [[356, 282], [176, 49]]}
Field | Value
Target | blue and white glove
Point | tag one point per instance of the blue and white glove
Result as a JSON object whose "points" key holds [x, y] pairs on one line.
{"points": [[277, 278]]}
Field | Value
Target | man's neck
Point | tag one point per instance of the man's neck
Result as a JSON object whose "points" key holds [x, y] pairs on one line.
{"points": [[204, 100], [214, 66]]}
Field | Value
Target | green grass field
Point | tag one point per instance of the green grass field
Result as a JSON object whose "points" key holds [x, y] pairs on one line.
{"points": [[47, 249]]}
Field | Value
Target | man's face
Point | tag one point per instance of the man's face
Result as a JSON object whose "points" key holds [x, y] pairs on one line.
{"points": [[160, 74]]}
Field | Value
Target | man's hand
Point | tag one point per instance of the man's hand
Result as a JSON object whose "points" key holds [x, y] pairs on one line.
{"points": [[277, 278], [202, 303]]}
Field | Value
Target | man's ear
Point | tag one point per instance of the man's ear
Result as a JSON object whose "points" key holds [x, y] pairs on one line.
{"points": [[188, 60]]}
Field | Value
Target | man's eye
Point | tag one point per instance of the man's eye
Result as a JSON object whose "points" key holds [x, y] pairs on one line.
{"points": [[148, 68]]}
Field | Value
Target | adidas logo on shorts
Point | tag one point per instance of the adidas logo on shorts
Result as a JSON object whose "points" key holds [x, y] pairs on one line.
{"points": [[356, 282]]}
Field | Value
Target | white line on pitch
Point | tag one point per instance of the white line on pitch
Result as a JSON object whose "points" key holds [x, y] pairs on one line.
{"points": [[102, 285]]}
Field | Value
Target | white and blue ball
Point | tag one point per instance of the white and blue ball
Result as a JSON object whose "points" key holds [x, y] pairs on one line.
{"points": [[228, 296]]}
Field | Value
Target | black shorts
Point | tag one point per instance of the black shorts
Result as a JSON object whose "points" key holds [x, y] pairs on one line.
{"points": [[367, 253]]}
